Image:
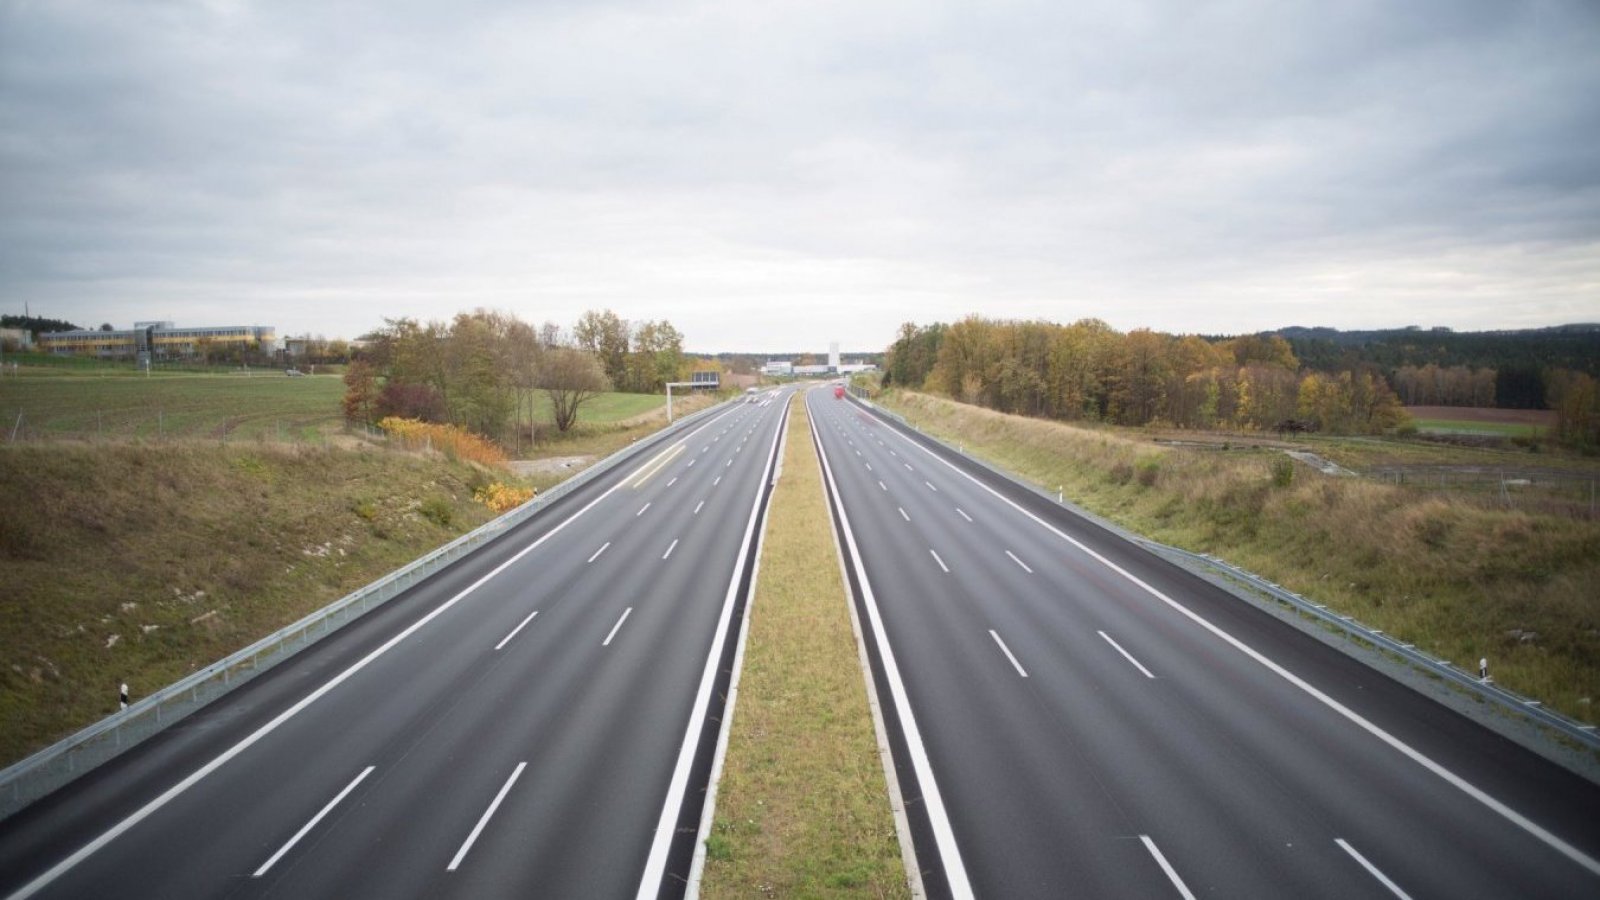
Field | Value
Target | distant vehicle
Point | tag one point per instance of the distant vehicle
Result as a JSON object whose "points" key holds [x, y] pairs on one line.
{"points": [[838, 392], [292, 372], [749, 395]]}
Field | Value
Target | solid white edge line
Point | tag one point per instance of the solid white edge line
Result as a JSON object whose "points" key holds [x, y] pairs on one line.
{"points": [[1372, 870], [670, 549], [484, 819], [1007, 651], [1125, 654], [625, 613], [289, 845], [1019, 562], [666, 825], [897, 801], [939, 561], [944, 836], [600, 551], [507, 639], [112, 833], [719, 756], [1172, 874], [1545, 836]]}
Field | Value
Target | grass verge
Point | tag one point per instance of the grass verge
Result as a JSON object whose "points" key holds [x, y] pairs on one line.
{"points": [[130, 563], [1457, 575], [802, 810]]}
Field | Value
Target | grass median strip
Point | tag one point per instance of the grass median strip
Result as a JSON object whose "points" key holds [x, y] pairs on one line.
{"points": [[802, 809]]}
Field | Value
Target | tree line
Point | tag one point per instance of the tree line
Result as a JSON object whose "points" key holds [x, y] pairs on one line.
{"points": [[1088, 371], [485, 370]]}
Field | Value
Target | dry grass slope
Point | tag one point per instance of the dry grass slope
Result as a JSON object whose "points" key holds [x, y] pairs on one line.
{"points": [[803, 810], [1458, 576], [125, 562]]}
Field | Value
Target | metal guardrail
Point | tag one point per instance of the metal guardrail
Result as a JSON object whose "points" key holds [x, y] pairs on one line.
{"points": [[56, 765], [1586, 735], [1485, 687]]}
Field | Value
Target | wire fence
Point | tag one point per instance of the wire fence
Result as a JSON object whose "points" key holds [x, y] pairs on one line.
{"points": [[55, 766]]}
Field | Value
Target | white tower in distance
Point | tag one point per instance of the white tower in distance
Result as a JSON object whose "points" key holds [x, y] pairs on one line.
{"points": [[833, 356]]}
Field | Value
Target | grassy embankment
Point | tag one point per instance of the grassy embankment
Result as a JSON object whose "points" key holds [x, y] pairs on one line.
{"points": [[111, 542], [802, 810], [142, 563], [1458, 575]]}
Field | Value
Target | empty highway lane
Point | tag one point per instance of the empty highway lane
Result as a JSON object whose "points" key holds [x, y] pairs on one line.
{"points": [[1072, 716], [529, 722]]}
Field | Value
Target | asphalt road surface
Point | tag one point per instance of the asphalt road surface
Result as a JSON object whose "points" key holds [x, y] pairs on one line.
{"points": [[533, 721], [1074, 717]]}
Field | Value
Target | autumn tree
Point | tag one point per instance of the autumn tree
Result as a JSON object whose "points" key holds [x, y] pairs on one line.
{"points": [[360, 391], [605, 334], [571, 376]]}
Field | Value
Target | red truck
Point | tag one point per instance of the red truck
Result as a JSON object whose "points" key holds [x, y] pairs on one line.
{"points": [[838, 392]]}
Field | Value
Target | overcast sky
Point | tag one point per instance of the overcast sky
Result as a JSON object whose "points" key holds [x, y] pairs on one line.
{"points": [[777, 175]]}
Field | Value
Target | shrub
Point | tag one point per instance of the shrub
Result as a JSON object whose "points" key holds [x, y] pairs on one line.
{"points": [[1120, 473], [1148, 470], [411, 401], [438, 511], [451, 440], [502, 498], [1282, 472]]}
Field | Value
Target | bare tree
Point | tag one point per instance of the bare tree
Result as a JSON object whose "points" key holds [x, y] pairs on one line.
{"points": [[570, 376]]}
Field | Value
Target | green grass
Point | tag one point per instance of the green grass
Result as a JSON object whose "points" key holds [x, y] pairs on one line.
{"points": [[88, 403], [120, 536], [803, 809], [614, 407], [267, 406], [1457, 574], [112, 567], [1498, 429]]}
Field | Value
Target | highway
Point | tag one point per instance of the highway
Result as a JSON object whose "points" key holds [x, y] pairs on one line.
{"points": [[535, 720], [1072, 716]]}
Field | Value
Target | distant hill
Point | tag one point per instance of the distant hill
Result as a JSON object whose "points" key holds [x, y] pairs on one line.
{"points": [[1575, 347]]}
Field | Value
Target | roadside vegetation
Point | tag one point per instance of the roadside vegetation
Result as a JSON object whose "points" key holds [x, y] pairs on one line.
{"points": [[1460, 573], [137, 563], [1090, 372], [802, 809], [150, 525]]}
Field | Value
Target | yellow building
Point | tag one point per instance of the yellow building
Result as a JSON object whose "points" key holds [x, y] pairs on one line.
{"points": [[161, 340]]}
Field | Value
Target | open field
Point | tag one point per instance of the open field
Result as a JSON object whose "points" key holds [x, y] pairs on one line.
{"points": [[119, 491], [803, 810], [1460, 574], [267, 406], [264, 406], [1468, 420]]}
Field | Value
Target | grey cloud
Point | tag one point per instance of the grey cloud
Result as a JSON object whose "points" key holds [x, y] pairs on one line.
{"points": [[838, 168]]}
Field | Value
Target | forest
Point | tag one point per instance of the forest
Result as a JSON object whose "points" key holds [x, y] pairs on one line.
{"points": [[1089, 371]]}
